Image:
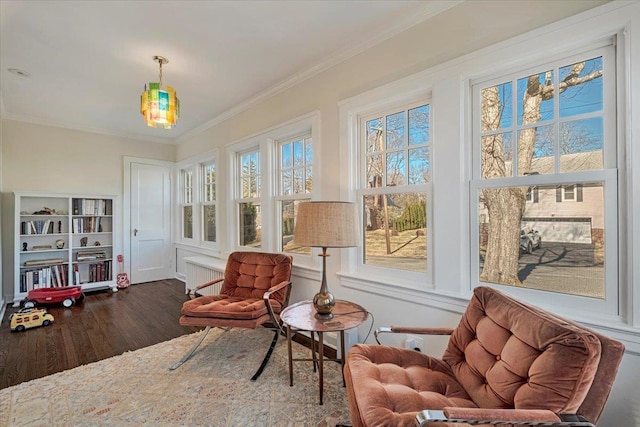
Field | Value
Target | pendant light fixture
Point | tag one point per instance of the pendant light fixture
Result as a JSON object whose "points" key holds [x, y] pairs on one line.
{"points": [[159, 106]]}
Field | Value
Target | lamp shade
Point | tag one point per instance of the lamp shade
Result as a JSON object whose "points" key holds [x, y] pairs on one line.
{"points": [[326, 225]]}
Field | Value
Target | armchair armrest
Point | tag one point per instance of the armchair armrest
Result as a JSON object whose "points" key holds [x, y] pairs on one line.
{"points": [[206, 285], [475, 416], [266, 296], [411, 330]]}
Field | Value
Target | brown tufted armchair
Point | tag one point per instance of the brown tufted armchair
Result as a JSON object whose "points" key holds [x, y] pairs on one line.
{"points": [[506, 362], [255, 289]]}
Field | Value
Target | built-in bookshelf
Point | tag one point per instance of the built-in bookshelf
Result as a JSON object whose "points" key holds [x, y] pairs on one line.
{"points": [[63, 240]]}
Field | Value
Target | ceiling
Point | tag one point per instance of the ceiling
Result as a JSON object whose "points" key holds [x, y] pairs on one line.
{"points": [[88, 60]]}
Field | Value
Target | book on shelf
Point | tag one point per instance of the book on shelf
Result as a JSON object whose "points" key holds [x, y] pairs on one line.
{"points": [[38, 262], [92, 207], [90, 255], [87, 225], [46, 277], [37, 227]]}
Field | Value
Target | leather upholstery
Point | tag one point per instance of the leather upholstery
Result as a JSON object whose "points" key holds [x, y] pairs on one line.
{"points": [[504, 354]]}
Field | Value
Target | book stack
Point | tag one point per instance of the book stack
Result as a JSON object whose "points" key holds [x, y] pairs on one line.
{"points": [[38, 262], [90, 256]]}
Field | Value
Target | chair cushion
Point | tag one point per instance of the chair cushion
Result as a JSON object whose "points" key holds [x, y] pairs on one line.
{"points": [[225, 307], [510, 355], [251, 274], [388, 386]]}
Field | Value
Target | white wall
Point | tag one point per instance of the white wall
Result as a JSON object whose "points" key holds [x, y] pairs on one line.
{"points": [[461, 30], [50, 159]]}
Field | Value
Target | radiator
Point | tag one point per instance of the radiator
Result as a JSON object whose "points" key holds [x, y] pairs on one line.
{"points": [[200, 271]]}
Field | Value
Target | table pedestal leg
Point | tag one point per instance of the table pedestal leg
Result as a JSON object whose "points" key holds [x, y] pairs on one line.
{"points": [[342, 357], [320, 363], [313, 351], [290, 356]]}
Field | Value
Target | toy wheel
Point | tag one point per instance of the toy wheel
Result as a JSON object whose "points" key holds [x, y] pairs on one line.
{"points": [[29, 304], [20, 328], [46, 323], [68, 302]]}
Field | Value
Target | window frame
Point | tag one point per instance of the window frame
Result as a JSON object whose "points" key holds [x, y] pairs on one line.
{"points": [[354, 113], [362, 191], [202, 202], [280, 197], [266, 143], [611, 308], [184, 188]]}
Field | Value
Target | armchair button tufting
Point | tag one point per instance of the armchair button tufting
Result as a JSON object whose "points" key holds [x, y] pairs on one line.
{"points": [[498, 358]]}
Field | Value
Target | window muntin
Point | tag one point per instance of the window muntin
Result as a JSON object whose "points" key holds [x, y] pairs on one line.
{"points": [[295, 157], [249, 204], [563, 135], [395, 188], [208, 201], [187, 204]]}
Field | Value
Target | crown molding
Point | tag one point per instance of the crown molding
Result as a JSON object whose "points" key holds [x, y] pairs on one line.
{"points": [[71, 126]]}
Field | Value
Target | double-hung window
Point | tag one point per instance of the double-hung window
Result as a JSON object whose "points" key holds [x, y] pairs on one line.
{"points": [[272, 173], [542, 137], [249, 206], [295, 159], [394, 192], [186, 206], [208, 201]]}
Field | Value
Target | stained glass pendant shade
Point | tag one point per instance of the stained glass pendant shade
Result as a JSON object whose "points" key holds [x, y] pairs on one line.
{"points": [[159, 106]]}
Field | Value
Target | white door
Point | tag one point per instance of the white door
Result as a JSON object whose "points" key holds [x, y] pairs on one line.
{"points": [[150, 226]]}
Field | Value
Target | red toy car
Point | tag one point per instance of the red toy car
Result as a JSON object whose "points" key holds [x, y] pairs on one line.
{"points": [[67, 295]]}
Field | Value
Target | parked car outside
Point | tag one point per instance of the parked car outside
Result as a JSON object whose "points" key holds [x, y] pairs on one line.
{"points": [[29, 318], [529, 240]]}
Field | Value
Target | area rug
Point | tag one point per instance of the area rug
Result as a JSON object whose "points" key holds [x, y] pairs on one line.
{"points": [[212, 389]]}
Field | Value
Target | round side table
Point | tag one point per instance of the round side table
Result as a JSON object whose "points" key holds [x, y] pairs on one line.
{"points": [[301, 317]]}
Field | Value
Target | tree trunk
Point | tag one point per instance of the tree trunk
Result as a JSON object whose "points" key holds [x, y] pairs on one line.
{"points": [[505, 206]]}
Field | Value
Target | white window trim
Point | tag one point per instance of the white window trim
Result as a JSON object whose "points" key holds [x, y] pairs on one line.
{"points": [[355, 273], [586, 29], [201, 203], [183, 204], [194, 164], [610, 308], [266, 143], [301, 197]]}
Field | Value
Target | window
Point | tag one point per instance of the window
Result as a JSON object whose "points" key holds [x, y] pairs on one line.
{"points": [[295, 158], [187, 204], [208, 201], [394, 188], [533, 194], [544, 136], [271, 173], [249, 205]]}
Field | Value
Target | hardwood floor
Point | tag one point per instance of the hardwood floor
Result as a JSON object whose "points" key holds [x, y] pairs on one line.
{"points": [[105, 324]]}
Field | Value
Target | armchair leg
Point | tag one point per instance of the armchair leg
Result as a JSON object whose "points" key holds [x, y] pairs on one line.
{"points": [[267, 356], [190, 352]]}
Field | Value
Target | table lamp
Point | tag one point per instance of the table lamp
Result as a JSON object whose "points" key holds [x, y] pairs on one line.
{"points": [[325, 225]]}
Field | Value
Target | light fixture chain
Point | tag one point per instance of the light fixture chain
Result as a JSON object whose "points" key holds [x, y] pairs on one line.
{"points": [[161, 74]]}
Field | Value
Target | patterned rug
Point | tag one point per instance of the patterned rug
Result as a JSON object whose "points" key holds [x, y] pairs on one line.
{"points": [[212, 389]]}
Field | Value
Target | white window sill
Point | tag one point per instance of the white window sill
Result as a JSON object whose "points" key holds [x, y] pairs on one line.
{"points": [[457, 303]]}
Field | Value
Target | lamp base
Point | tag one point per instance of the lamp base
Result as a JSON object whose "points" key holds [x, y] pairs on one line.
{"points": [[323, 303]]}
